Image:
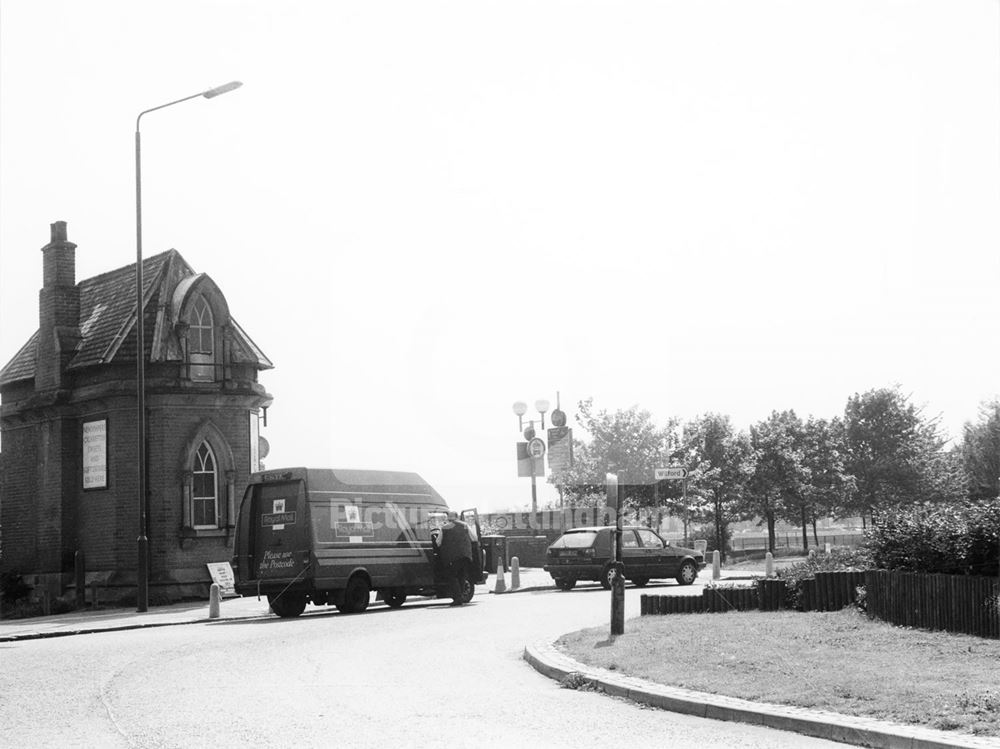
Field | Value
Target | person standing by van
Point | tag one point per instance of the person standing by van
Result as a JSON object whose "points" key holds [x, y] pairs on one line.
{"points": [[453, 548]]}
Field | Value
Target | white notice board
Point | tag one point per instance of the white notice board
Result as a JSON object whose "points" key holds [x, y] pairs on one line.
{"points": [[222, 575]]}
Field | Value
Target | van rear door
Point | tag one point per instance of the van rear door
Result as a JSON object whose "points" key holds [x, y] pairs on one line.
{"points": [[280, 549]]}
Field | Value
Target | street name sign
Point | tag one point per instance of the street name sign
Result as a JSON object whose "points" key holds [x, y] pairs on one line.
{"points": [[662, 474]]}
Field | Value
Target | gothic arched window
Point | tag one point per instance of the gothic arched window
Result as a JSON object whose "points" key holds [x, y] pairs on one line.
{"points": [[205, 489], [201, 340]]}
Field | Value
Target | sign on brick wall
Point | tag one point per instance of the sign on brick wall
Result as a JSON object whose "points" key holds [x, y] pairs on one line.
{"points": [[95, 454]]}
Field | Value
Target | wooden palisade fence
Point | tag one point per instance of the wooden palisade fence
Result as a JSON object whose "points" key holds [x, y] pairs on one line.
{"points": [[954, 603]]}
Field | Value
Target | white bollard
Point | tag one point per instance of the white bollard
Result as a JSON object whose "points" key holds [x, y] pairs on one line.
{"points": [[716, 565], [828, 549], [214, 594], [501, 584], [768, 564], [515, 573]]}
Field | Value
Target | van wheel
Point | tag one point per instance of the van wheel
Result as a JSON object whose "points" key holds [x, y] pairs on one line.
{"points": [[287, 605], [463, 587], [355, 596], [687, 573], [566, 583], [394, 597]]}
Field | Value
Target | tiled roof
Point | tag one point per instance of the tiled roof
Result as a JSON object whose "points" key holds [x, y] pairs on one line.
{"points": [[107, 319]]}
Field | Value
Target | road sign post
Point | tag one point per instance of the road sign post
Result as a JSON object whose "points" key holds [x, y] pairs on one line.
{"points": [[676, 473], [618, 580]]}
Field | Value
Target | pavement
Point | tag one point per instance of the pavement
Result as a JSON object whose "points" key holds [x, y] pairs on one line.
{"points": [[547, 660], [88, 621]]}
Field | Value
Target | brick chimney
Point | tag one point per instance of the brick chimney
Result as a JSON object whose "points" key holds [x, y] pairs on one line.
{"points": [[58, 310]]}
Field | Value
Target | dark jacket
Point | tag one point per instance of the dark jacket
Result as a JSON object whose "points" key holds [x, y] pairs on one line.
{"points": [[455, 543]]}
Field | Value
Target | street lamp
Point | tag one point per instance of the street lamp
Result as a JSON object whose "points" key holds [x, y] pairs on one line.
{"points": [[520, 408], [142, 543]]}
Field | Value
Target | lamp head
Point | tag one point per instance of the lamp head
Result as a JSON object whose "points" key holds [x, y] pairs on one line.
{"points": [[520, 408], [225, 88]]}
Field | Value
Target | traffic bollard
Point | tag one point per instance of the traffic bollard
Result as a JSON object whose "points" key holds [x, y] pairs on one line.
{"points": [[515, 573], [80, 578], [214, 595], [768, 564], [716, 565], [501, 584]]}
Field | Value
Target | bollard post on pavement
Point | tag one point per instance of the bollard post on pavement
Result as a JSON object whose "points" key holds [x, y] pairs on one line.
{"points": [[769, 565], [80, 578], [515, 573], [501, 584], [716, 565], [214, 594]]}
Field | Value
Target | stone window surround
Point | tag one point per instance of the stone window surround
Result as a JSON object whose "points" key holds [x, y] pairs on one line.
{"points": [[225, 470]]}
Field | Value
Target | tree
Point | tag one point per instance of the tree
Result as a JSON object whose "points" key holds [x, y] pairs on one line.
{"points": [[891, 450], [625, 442], [980, 452], [828, 484], [720, 463], [778, 470]]}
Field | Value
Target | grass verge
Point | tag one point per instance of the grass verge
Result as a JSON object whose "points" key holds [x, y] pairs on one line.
{"points": [[842, 662]]}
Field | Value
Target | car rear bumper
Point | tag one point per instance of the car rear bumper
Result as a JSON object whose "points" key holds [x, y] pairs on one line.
{"points": [[573, 571]]}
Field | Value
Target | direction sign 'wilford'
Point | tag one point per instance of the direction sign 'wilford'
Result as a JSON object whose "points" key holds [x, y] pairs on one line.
{"points": [[661, 474]]}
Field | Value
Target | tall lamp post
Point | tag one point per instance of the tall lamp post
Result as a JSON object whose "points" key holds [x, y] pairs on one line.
{"points": [[142, 543], [535, 446]]}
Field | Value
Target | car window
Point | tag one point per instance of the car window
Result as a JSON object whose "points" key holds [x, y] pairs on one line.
{"points": [[581, 540], [629, 540], [649, 539]]}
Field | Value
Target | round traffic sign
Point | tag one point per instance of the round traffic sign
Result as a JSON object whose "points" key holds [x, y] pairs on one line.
{"points": [[536, 447]]}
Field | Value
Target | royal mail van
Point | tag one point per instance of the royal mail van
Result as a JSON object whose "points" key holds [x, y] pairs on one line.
{"points": [[332, 536]]}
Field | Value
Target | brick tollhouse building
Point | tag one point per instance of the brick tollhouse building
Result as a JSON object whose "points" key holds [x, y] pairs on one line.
{"points": [[68, 425]]}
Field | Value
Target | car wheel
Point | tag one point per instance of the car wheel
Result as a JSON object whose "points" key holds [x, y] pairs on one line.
{"points": [[607, 576], [287, 605], [355, 596], [640, 582], [394, 597], [565, 583], [687, 573]]}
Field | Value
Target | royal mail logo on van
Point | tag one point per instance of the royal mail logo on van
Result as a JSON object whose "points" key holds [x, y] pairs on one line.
{"points": [[346, 530], [277, 518]]}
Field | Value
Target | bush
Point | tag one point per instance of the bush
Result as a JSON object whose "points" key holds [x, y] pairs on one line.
{"points": [[840, 559], [12, 587], [951, 538], [707, 533]]}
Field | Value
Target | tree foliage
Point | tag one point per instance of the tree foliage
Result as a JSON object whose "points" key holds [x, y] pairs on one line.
{"points": [[980, 452], [883, 453], [779, 473], [623, 442], [720, 463], [892, 451]]}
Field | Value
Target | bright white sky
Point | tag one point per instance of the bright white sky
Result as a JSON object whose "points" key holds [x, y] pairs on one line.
{"points": [[423, 212]]}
